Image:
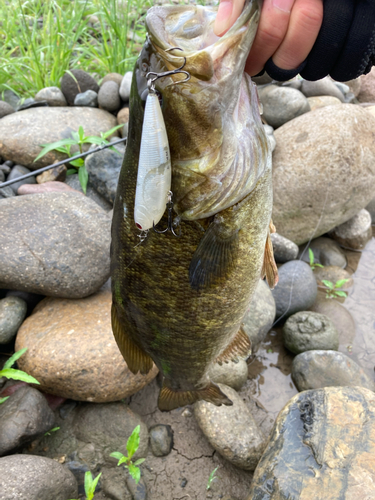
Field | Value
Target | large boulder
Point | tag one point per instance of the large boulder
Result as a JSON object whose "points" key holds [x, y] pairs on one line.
{"points": [[323, 170]]}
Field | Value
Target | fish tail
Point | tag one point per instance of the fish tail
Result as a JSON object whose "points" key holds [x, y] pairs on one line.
{"points": [[169, 399]]}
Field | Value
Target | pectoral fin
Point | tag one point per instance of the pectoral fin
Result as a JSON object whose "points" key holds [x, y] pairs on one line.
{"points": [[169, 399], [269, 269], [239, 348]]}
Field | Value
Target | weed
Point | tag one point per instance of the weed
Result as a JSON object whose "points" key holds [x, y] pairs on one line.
{"points": [[9, 372], [90, 485], [52, 430], [131, 446], [211, 478], [313, 264], [2, 400], [332, 289]]}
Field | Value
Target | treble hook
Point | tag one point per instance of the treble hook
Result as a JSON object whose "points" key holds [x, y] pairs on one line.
{"points": [[170, 219], [151, 81]]}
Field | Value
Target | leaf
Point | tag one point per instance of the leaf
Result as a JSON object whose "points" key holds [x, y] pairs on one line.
{"points": [[81, 134], [71, 171], [318, 265], [340, 283], [94, 483], [133, 442], [340, 293], [79, 162], [92, 139], [50, 147], [110, 132], [18, 375], [311, 257], [135, 472], [139, 461], [211, 478], [83, 177], [328, 284], [14, 358], [2, 400], [117, 454], [88, 484]]}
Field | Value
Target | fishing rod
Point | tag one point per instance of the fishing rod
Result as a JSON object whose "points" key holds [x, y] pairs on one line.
{"points": [[62, 162]]}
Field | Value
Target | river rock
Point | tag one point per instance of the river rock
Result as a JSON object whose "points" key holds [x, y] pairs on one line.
{"points": [[54, 244], [104, 169], [284, 250], [18, 171], [161, 440], [6, 192], [323, 170], [125, 86], [88, 98], [112, 77], [282, 104], [108, 96], [23, 133], [75, 355], [28, 477], [371, 209], [6, 109], [123, 116], [46, 187], [355, 232], [233, 374], [326, 252], [12, 313], [52, 95], [333, 274], [324, 87], [260, 315], [24, 416], [31, 299], [73, 182], [306, 331], [296, 290], [81, 82], [367, 92], [53, 174], [231, 430], [321, 448], [322, 101]]}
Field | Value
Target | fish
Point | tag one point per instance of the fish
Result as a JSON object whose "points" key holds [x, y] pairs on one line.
{"points": [[179, 302]]}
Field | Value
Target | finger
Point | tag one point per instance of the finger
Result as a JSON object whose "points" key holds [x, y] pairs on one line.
{"points": [[273, 26], [228, 13], [304, 25]]}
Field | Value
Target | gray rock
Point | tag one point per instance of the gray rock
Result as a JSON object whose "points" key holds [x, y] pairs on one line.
{"points": [[231, 430], [269, 131], [294, 84], [126, 86], [6, 192], [138, 491], [28, 477], [355, 232], [18, 171], [282, 104], [52, 95], [233, 374], [371, 209], [114, 484], [2, 176], [71, 87], [31, 299], [113, 77], [104, 169], [5, 169], [11, 98], [284, 250], [161, 440], [88, 98], [12, 313], [73, 182], [322, 101], [6, 109], [109, 97], [326, 252], [296, 290], [316, 369], [54, 244], [307, 331], [325, 86], [260, 315], [343, 87], [24, 416]]}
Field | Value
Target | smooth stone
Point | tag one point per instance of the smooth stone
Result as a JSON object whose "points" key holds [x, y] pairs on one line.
{"points": [[53, 174], [113, 77], [126, 86], [325, 86], [269, 131], [30, 103], [12, 313], [18, 171], [296, 83], [321, 448], [6, 109], [109, 97], [123, 116], [371, 209], [138, 491], [65, 250], [6, 192], [10, 97], [355, 232], [24, 416], [2, 176], [296, 290], [5, 168], [88, 98], [322, 101], [104, 169], [354, 86], [82, 81], [73, 182], [282, 104], [231, 430], [75, 356], [46, 187], [307, 331], [308, 200], [260, 315], [233, 374], [317, 369], [367, 92], [333, 274], [284, 250], [161, 440], [326, 252], [29, 477], [23, 133], [52, 95], [31, 299], [114, 484], [343, 87]]}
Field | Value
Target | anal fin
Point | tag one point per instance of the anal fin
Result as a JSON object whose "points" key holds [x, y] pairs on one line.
{"points": [[169, 399], [136, 359], [269, 269], [239, 348]]}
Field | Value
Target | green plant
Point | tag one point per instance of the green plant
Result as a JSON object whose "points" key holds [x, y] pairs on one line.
{"points": [[9, 372], [313, 264], [131, 446], [78, 139], [52, 430], [90, 485], [2, 400], [211, 478], [332, 289]]}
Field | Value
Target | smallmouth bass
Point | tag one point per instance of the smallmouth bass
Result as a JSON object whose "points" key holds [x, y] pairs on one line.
{"points": [[180, 301]]}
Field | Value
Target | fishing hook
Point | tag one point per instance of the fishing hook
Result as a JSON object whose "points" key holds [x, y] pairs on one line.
{"points": [[151, 81], [170, 225]]}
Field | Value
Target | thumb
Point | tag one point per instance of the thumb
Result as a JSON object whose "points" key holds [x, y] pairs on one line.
{"points": [[229, 11]]}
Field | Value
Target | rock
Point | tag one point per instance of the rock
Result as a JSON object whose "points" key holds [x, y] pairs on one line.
{"points": [[367, 92], [10, 97], [321, 447], [371, 209], [2, 176], [23, 133], [296, 83], [31, 103], [284, 250], [88, 98], [54, 244], [31, 299], [325, 87], [233, 374], [355, 232], [24, 416], [52, 95], [231, 430], [333, 274], [125, 86], [113, 77], [322, 101], [326, 252], [123, 116], [354, 86], [5, 168], [53, 174], [82, 81], [108, 96], [114, 484], [6, 109], [104, 169], [370, 109], [260, 315], [305, 195], [269, 131], [307, 331], [282, 104], [161, 440], [343, 87], [138, 491], [73, 182], [28, 477], [18, 171], [296, 290], [317, 369], [75, 356], [6, 192], [46, 187], [12, 313]]}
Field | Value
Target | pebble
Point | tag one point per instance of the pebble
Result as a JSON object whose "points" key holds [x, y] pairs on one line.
{"points": [[233, 374], [321, 447], [316, 369], [53, 174], [123, 116], [31, 103], [104, 170], [355, 232], [161, 440], [71, 87], [88, 98], [284, 250], [6, 192], [327, 252], [18, 171], [231, 430], [52, 95], [11, 98], [75, 356], [2, 176], [138, 491], [354, 86], [5, 169], [73, 182], [325, 86], [367, 92], [126, 86], [296, 290], [371, 209], [46, 187], [343, 87], [113, 77], [322, 101], [24, 416], [282, 104], [63, 235], [269, 131], [12, 313], [109, 97], [333, 274], [114, 484], [306, 331], [6, 109]]}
